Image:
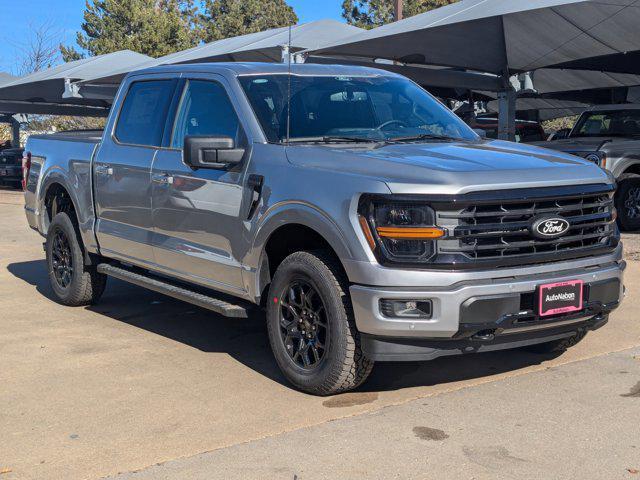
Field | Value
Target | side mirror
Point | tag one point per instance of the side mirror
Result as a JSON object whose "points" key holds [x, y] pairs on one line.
{"points": [[480, 132], [211, 152]]}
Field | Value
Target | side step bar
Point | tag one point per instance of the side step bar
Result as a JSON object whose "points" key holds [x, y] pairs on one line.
{"points": [[210, 303]]}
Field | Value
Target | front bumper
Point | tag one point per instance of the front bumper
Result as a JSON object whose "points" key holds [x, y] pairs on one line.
{"points": [[391, 349], [488, 306], [8, 174]]}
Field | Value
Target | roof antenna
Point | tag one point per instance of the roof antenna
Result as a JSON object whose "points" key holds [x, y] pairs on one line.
{"points": [[289, 88]]}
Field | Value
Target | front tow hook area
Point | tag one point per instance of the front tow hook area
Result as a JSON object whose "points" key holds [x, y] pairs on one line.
{"points": [[484, 336]]}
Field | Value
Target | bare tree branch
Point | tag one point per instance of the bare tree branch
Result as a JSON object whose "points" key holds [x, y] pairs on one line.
{"points": [[40, 50]]}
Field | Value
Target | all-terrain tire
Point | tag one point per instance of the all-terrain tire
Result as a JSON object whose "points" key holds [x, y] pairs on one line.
{"points": [[557, 346], [628, 190], [86, 285], [343, 367]]}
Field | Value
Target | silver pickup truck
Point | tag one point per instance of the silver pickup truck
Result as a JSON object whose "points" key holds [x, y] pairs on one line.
{"points": [[368, 221], [609, 136]]}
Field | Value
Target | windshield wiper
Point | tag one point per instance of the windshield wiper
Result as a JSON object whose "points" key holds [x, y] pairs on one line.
{"points": [[424, 136], [332, 139]]}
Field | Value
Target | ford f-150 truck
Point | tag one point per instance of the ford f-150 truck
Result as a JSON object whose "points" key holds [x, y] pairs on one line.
{"points": [[609, 136], [365, 218]]}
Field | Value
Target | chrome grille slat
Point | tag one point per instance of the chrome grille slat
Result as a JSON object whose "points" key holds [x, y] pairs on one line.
{"points": [[501, 230], [530, 211], [514, 228], [526, 243]]}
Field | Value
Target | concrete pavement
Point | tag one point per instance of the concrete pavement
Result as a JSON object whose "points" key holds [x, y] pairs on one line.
{"points": [[141, 379], [552, 424]]}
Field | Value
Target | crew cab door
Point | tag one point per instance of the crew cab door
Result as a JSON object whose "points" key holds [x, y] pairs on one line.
{"points": [[122, 170], [199, 232]]}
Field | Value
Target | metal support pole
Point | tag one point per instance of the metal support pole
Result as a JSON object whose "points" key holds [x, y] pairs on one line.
{"points": [[284, 53], [507, 115], [15, 129]]}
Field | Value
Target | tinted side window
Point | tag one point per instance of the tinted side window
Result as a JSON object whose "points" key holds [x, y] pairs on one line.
{"points": [[143, 114], [205, 109]]}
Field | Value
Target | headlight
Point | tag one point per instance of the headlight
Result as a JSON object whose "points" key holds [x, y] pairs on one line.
{"points": [[399, 231], [598, 158]]}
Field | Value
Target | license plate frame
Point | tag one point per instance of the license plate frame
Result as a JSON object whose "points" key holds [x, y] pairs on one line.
{"points": [[553, 304]]}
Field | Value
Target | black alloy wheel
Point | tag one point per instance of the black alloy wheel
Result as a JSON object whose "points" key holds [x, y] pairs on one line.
{"points": [[311, 325], [304, 329], [62, 260], [632, 203], [73, 282], [627, 202]]}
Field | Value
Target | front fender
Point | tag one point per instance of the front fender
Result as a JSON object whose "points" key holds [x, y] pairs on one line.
{"points": [[621, 165], [290, 213]]}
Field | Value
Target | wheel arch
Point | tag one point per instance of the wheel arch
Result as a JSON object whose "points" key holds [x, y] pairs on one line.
{"points": [[633, 167], [57, 197], [294, 227]]}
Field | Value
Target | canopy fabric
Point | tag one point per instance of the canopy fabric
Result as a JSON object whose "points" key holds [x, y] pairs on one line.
{"points": [[46, 88], [6, 78], [40, 108], [547, 108], [263, 46], [555, 80], [495, 35]]}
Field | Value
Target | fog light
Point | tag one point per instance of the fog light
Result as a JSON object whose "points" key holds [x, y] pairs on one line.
{"points": [[416, 309]]}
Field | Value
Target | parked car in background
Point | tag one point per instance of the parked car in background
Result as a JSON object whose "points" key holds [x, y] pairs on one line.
{"points": [[11, 167], [370, 222], [609, 136], [526, 131]]}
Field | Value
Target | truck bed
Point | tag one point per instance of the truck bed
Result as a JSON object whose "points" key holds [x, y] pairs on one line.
{"points": [[63, 158], [72, 135]]}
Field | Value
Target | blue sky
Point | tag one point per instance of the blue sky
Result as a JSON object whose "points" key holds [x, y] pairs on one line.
{"points": [[65, 17]]}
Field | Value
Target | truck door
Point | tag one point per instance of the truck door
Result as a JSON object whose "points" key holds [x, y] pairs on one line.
{"points": [[197, 213], [122, 170]]}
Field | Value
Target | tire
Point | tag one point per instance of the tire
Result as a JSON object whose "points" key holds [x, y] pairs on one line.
{"points": [[627, 201], [74, 283], [342, 365], [557, 346]]}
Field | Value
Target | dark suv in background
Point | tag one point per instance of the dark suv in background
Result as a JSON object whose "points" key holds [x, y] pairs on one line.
{"points": [[11, 167]]}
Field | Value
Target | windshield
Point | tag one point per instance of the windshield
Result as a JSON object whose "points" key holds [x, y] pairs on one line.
{"points": [[608, 123], [350, 109]]}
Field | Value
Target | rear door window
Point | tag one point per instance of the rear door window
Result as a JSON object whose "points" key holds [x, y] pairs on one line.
{"points": [[144, 112]]}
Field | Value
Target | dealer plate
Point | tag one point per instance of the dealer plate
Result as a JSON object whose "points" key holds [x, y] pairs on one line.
{"points": [[561, 297]]}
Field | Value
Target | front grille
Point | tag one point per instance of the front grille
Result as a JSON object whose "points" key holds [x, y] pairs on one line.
{"points": [[498, 230]]}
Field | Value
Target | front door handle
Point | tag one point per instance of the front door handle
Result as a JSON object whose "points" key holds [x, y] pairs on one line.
{"points": [[162, 178], [104, 170]]}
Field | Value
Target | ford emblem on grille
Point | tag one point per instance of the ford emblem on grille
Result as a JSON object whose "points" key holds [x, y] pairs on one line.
{"points": [[549, 227]]}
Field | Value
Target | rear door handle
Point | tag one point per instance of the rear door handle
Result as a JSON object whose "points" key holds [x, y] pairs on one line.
{"points": [[104, 170], [162, 178]]}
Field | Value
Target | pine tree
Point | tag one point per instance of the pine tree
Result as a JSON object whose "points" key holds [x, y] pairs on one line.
{"points": [[152, 27], [230, 18], [373, 13]]}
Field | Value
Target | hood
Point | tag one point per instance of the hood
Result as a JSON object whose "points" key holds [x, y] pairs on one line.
{"points": [[450, 167]]}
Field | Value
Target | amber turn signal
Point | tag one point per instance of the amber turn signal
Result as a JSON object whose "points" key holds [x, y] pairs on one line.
{"points": [[416, 233], [367, 232]]}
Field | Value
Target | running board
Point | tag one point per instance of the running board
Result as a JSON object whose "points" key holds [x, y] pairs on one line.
{"points": [[210, 303]]}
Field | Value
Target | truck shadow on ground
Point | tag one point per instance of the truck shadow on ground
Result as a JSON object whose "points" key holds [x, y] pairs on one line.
{"points": [[246, 339]]}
